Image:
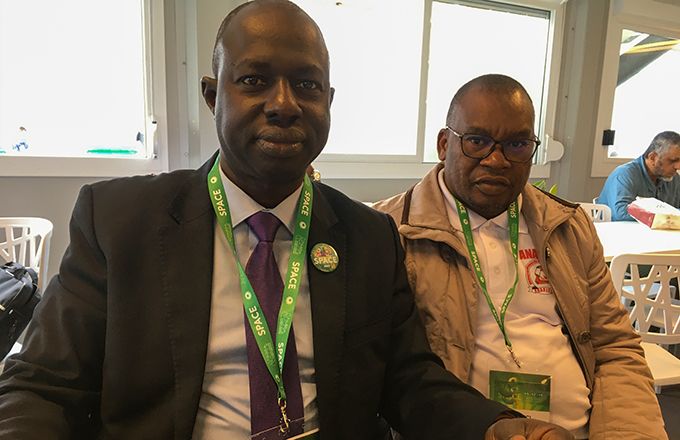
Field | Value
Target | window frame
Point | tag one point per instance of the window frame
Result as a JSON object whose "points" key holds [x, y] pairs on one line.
{"points": [[155, 112], [640, 15], [352, 166]]}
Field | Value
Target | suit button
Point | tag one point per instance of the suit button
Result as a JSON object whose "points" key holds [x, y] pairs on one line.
{"points": [[583, 337]]}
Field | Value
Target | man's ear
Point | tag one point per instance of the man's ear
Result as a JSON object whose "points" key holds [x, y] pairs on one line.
{"points": [[332, 94], [442, 144], [209, 90]]}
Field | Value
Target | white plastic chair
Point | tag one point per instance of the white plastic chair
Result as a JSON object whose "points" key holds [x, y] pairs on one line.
{"points": [[26, 240], [648, 310], [597, 211]]}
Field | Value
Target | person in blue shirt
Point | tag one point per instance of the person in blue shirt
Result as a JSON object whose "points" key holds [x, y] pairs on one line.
{"points": [[654, 174]]}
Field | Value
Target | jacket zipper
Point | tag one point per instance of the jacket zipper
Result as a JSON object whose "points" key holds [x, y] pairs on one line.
{"points": [[574, 342]]}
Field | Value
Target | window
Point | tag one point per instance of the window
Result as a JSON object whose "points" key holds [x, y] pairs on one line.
{"points": [[76, 87], [462, 48], [640, 88], [647, 92], [396, 64], [375, 72]]}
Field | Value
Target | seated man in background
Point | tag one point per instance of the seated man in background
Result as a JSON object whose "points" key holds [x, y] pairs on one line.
{"points": [[143, 334], [511, 281], [654, 174]]}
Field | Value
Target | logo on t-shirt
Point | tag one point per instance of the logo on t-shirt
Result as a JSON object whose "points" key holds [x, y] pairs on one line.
{"points": [[537, 280]]}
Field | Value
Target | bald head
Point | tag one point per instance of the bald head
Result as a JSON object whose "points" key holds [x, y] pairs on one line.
{"points": [[488, 143], [287, 9], [497, 84], [271, 97]]}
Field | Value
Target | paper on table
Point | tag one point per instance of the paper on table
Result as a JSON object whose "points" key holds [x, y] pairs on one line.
{"points": [[655, 213]]}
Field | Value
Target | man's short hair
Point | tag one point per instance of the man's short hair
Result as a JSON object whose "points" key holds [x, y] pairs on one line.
{"points": [[662, 142], [493, 82], [217, 48], [217, 53]]}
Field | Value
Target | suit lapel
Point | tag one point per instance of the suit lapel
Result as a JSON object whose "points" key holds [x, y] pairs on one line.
{"points": [[186, 258], [328, 293]]}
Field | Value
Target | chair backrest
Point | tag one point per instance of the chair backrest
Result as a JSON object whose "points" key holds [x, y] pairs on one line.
{"points": [[597, 212], [650, 310], [26, 240]]}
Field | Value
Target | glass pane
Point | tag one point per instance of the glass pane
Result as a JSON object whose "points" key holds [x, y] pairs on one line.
{"points": [[466, 42], [72, 78], [375, 49], [647, 92]]}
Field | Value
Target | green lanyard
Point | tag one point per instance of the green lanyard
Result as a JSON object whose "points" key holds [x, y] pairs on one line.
{"points": [[513, 225], [273, 356]]}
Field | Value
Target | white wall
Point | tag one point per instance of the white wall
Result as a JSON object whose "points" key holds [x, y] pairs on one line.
{"points": [[579, 89]]}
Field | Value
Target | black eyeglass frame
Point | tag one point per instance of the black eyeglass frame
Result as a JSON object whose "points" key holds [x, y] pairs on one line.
{"points": [[493, 146]]}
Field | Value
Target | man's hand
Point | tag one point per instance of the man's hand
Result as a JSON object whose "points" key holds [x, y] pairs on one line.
{"points": [[526, 429]]}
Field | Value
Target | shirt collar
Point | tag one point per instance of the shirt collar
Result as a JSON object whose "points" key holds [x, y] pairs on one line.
{"points": [[476, 220], [641, 163], [242, 206], [659, 181]]}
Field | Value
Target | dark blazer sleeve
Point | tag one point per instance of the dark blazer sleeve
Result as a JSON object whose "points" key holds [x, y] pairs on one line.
{"points": [[422, 400], [50, 389]]}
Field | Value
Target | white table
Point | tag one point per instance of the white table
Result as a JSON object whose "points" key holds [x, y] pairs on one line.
{"points": [[636, 238]]}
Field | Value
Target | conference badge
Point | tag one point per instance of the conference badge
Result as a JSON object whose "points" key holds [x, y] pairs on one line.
{"points": [[324, 257]]}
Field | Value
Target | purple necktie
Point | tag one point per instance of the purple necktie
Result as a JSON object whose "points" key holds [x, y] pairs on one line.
{"points": [[264, 276]]}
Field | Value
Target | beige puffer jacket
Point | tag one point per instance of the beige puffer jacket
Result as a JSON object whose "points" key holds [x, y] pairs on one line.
{"points": [[624, 405]]}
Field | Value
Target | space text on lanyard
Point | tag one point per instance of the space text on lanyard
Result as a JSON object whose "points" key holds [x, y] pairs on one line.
{"points": [[273, 356], [513, 226]]}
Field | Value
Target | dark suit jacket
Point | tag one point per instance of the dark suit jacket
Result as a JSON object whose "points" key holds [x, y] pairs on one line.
{"points": [[117, 347]]}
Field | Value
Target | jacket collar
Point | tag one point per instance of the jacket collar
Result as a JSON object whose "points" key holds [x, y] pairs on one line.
{"points": [[192, 200], [186, 244], [427, 207], [328, 292], [476, 220], [544, 212], [426, 215]]}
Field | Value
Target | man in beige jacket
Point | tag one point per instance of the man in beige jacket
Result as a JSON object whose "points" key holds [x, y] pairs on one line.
{"points": [[511, 282]]}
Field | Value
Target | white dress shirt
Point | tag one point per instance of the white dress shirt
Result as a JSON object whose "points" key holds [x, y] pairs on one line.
{"points": [[224, 408]]}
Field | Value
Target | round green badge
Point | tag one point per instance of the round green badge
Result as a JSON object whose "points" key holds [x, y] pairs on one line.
{"points": [[324, 257]]}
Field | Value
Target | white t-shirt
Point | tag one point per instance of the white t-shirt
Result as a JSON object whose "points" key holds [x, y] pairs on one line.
{"points": [[531, 321]]}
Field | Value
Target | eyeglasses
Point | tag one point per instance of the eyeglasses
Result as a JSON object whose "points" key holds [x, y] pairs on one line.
{"points": [[479, 146]]}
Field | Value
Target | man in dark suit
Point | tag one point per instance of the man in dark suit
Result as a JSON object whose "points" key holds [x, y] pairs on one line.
{"points": [[143, 333]]}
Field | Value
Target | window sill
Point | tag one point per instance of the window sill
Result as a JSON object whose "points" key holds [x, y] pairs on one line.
{"points": [[12, 166]]}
